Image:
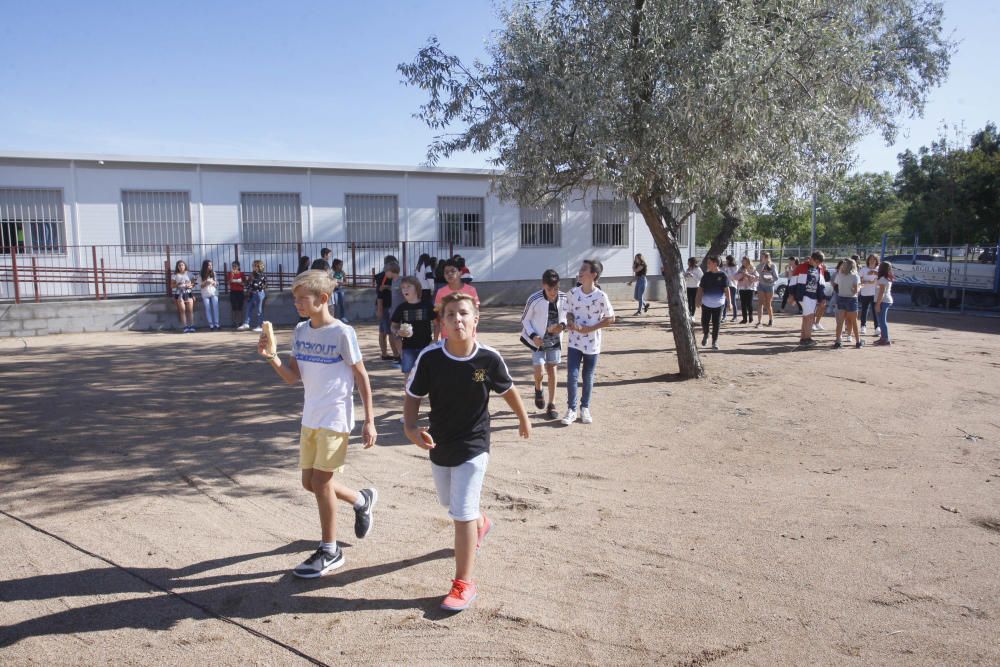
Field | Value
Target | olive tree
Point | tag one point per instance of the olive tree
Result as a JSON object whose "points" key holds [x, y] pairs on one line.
{"points": [[671, 102]]}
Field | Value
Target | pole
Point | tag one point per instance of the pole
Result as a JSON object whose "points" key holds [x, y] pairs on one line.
{"points": [[812, 237], [13, 266], [97, 284], [34, 278]]}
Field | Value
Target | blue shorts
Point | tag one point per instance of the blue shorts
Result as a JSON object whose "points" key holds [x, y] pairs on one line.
{"points": [[385, 324], [408, 359], [766, 289], [551, 356], [847, 304]]}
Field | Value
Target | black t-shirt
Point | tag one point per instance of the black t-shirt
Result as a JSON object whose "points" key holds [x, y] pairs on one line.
{"points": [[459, 390], [383, 290], [419, 315], [550, 341]]}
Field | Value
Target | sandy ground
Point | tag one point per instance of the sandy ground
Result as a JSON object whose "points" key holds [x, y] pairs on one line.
{"points": [[795, 507]]}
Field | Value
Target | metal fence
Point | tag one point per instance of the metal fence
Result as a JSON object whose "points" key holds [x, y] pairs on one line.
{"points": [[110, 271]]}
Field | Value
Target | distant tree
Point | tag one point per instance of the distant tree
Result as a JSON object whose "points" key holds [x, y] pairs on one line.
{"points": [[673, 102], [953, 192], [867, 207]]}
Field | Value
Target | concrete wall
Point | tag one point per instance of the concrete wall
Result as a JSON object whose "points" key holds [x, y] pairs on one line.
{"points": [[159, 313]]}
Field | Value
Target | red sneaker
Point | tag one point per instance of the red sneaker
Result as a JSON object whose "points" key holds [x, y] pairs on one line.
{"points": [[481, 533], [461, 596]]}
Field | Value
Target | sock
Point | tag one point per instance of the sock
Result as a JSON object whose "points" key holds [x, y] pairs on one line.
{"points": [[360, 502], [329, 547]]}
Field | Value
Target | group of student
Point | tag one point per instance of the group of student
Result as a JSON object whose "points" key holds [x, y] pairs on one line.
{"points": [[240, 286], [848, 291], [715, 289], [442, 359]]}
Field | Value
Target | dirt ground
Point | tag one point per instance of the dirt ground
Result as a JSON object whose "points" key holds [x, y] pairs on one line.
{"points": [[794, 507]]}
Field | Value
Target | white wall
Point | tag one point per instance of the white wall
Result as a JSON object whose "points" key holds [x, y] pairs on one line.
{"points": [[92, 195]]}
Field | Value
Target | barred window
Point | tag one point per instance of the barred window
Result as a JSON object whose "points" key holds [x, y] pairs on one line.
{"points": [[268, 218], [677, 210], [610, 223], [372, 218], [154, 219], [461, 221], [540, 227], [31, 221]]}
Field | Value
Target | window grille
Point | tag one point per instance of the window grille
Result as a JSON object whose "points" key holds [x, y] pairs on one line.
{"points": [[372, 218], [31, 220], [677, 210], [610, 223], [461, 221], [268, 218], [540, 227], [153, 219]]}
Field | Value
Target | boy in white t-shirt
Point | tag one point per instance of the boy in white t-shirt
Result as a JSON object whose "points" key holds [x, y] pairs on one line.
{"points": [[588, 310], [326, 358]]}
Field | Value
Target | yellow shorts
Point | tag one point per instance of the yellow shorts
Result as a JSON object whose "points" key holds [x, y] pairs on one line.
{"points": [[322, 449]]}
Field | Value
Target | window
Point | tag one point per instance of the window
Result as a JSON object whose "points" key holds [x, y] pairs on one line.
{"points": [[155, 218], [540, 226], [677, 210], [610, 220], [31, 220], [270, 217], [372, 218], [461, 221]]}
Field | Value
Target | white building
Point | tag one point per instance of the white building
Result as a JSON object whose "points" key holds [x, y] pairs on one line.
{"points": [[58, 210]]}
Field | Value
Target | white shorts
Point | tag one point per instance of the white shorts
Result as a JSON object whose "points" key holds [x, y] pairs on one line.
{"points": [[459, 487], [808, 305]]}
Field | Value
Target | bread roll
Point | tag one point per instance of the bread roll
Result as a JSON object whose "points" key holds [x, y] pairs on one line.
{"points": [[272, 342]]}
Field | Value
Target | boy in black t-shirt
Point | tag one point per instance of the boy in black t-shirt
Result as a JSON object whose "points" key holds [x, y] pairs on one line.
{"points": [[458, 374], [412, 322]]}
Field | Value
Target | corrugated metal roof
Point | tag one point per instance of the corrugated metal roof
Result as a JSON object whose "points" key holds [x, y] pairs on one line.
{"points": [[234, 162]]}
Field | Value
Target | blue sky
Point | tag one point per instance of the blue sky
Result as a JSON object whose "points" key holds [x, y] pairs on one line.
{"points": [[309, 81]]}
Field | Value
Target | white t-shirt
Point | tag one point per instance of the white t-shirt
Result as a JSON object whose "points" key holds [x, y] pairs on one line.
{"points": [[887, 297], [588, 310], [692, 277], [731, 272], [845, 283], [182, 282], [869, 281], [209, 288], [325, 357]]}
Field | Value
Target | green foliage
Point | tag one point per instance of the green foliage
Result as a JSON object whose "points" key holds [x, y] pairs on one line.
{"points": [[953, 192]]}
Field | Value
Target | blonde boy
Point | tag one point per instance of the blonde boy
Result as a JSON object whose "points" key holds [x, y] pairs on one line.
{"points": [[326, 358]]}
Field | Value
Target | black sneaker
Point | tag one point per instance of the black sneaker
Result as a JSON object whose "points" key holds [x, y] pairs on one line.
{"points": [[808, 342], [551, 412], [837, 345], [704, 341], [363, 521], [645, 308], [539, 401], [319, 564]]}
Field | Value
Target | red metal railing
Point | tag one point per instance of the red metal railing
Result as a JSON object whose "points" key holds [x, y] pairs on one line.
{"points": [[110, 271]]}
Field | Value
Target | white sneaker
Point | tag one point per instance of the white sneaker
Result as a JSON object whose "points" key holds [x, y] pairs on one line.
{"points": [[243, 327], [815, 328], [864, 330], [585, 416], [569, 418], [257, 329], [819, 326], [878, 331]]}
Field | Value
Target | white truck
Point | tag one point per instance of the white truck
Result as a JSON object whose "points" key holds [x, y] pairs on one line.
{"points": [[934, 279]]}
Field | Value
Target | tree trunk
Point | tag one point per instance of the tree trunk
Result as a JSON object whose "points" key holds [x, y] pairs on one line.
{"points": [[688, 360], [731, 220]]}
